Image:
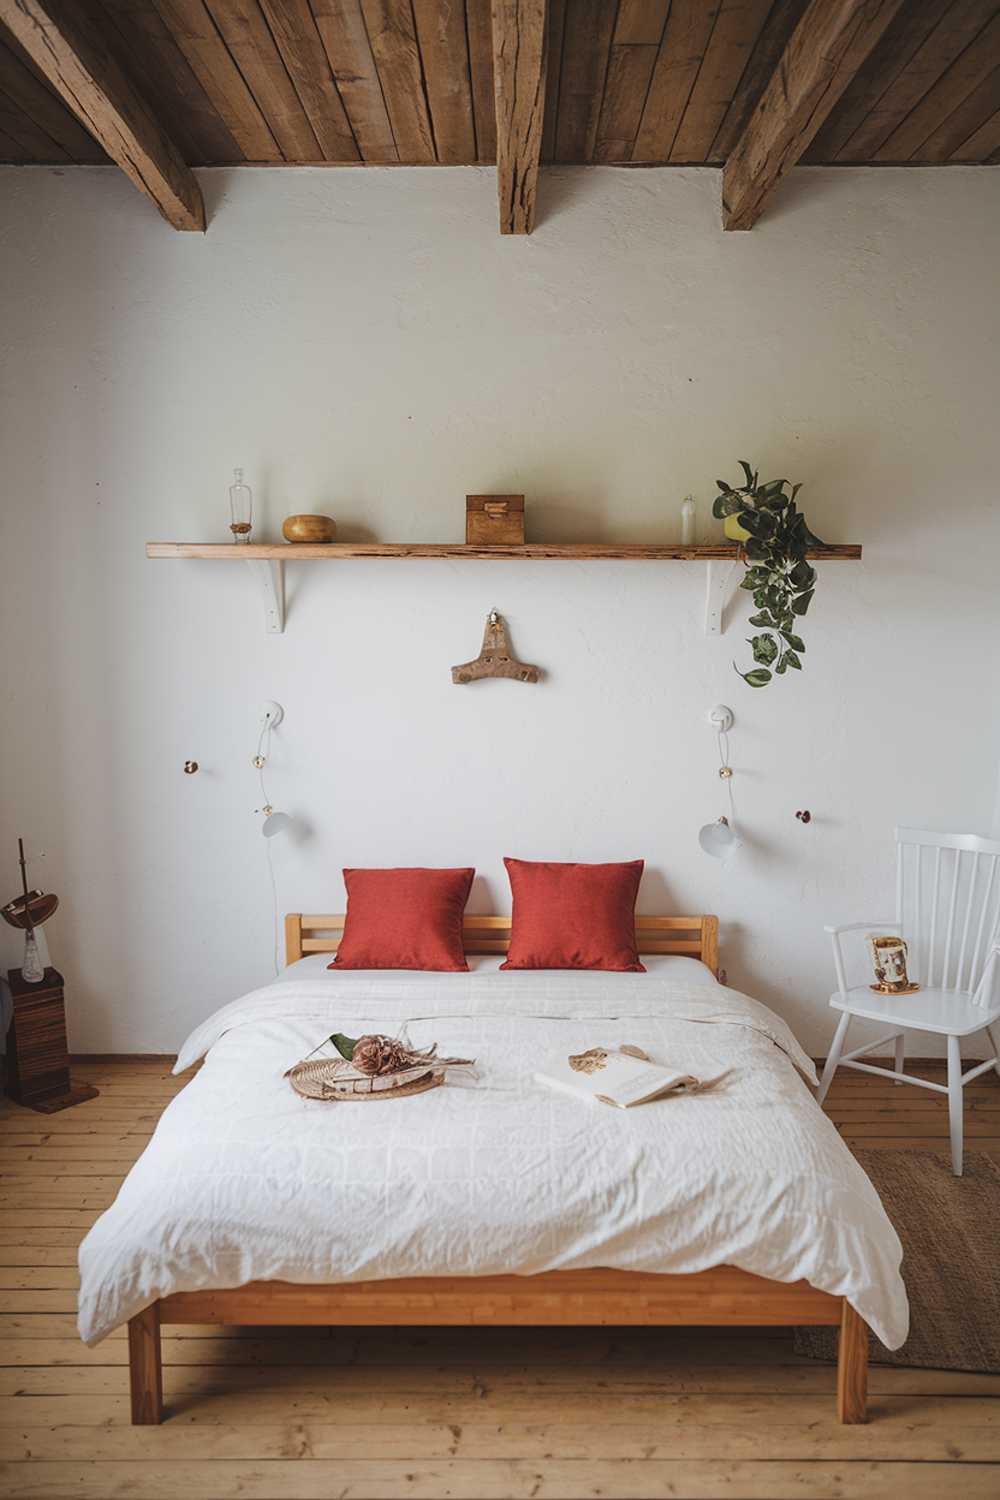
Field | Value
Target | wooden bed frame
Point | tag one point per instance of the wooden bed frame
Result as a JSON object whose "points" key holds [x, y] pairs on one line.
{"points": [[722, 1296]]}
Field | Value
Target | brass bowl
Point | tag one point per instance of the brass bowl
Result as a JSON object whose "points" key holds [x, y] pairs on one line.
{"points": [[309, 528]]}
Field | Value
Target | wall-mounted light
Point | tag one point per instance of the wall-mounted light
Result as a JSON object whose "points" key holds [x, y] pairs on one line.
{"points": [[720, 838], [274, 822]]}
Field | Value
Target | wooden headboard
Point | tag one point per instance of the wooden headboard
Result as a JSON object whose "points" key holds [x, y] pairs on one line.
{"points": [[694, 937]]}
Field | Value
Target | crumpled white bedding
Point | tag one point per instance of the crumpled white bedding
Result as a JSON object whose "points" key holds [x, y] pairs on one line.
{"points": [[492, 1173]]}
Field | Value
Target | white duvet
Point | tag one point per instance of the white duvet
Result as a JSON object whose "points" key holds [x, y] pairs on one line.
{"points": [[492, 1173]]}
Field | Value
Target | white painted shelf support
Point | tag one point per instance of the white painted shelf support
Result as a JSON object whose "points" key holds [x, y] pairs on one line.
{"points": [[718, 578], [270, 577]]}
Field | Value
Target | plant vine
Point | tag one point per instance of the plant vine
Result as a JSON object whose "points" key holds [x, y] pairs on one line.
{"points": [[778, 573]]}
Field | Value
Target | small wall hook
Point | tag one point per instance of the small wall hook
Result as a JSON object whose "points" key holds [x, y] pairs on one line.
{"points": [[190, 766], [805, 816]]}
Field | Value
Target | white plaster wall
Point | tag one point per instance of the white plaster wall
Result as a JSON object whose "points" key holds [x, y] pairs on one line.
{"points": [[364, 342]]}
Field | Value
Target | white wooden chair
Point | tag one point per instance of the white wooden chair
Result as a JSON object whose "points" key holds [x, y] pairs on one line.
{"points": [[948, 911]]}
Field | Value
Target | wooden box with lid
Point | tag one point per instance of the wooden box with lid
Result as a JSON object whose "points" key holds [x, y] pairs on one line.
{"points": [[494, 520]]}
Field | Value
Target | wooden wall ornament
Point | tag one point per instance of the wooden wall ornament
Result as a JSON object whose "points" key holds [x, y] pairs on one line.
{"points": [[496, 658]]}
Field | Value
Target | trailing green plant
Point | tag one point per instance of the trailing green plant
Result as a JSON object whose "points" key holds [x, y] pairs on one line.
{"points": [[777, 574]]}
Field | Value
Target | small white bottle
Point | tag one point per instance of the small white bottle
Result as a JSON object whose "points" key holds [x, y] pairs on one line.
{"points": [[687, 521]]}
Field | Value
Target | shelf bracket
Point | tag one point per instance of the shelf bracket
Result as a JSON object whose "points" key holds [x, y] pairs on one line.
{"points": [[270, 575], [718, 577]]}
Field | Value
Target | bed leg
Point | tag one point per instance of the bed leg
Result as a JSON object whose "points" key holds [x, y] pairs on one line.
{"points": [[145, 1367], [852, 1366]]}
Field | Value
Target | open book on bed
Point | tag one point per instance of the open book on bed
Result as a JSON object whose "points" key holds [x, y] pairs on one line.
{"points": [[620, 1076]]}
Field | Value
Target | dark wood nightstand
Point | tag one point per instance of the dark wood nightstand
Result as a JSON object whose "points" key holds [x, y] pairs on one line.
{"points": [[37, 1050]]}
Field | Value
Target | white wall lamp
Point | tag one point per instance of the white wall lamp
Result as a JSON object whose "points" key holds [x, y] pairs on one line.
{"points": [[274, 821], [720, 838]]}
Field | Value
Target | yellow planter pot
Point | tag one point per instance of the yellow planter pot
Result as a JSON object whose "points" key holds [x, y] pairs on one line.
{"points": [[734, 531]]}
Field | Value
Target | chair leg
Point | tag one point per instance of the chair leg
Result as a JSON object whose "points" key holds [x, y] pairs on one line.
{"points": [[955, 1102], [836, 1048], [900, 1057]]}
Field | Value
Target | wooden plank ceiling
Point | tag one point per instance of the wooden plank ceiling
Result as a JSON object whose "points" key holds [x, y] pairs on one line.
{"points": [[632, 82]]}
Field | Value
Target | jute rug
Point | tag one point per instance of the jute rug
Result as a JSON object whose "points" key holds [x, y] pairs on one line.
{"points": [[950, 1231]]}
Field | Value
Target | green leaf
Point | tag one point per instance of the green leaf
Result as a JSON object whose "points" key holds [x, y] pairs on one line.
{"points": [[748, 472], [802, 575], [795, 641], [765, 648], [757, 522], [772, 490], [795, 491], [755, 551], [345, 1045], [764, 620], [791, 660], [802, 603], [727, 504], [782, 666], [723, 486], [754, 578], [758, 678]]}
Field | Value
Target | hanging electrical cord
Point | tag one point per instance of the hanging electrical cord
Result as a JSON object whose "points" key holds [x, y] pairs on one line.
{"points": [[277, 920], [719, 838], [274, 822], [725, 769]]}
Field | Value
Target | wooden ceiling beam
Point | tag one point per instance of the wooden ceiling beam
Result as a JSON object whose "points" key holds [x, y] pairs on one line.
{"points": [[824, 52], [63, 44], [519, 54]]}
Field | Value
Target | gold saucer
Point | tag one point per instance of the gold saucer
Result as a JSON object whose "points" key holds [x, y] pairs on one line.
{"points": [[894, 989]]}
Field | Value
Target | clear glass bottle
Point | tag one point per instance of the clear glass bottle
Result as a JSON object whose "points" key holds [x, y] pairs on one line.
{"points": [[240, 508], [32, 968]]}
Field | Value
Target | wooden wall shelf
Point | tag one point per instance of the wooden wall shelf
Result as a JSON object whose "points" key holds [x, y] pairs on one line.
{"points": [[267, 561], [529, 551]]}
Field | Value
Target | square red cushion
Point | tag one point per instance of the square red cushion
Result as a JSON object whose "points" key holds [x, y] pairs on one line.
{"points": [[573, 916], [404, 919]]}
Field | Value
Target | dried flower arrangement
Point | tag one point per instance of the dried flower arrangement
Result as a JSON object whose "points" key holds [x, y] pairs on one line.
{"points": [[371, 1067]]}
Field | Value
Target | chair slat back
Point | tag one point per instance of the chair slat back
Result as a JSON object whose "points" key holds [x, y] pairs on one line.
{"points": [[947, 905]]}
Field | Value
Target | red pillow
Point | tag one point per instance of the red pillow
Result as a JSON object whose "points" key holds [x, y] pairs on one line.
{"points": [[404, 919], [573, 916]]}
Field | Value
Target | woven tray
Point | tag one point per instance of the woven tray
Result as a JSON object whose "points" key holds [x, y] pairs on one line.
{"points": [[333, 1080]]}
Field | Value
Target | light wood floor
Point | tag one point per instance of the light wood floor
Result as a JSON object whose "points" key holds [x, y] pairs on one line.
{"points": [[465, 1414]]}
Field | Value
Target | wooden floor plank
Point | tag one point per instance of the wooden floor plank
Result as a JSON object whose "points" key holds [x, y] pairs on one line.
{"points": [[495, 1479], [797, 1441], [938, 1416], [184, 1384]]}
